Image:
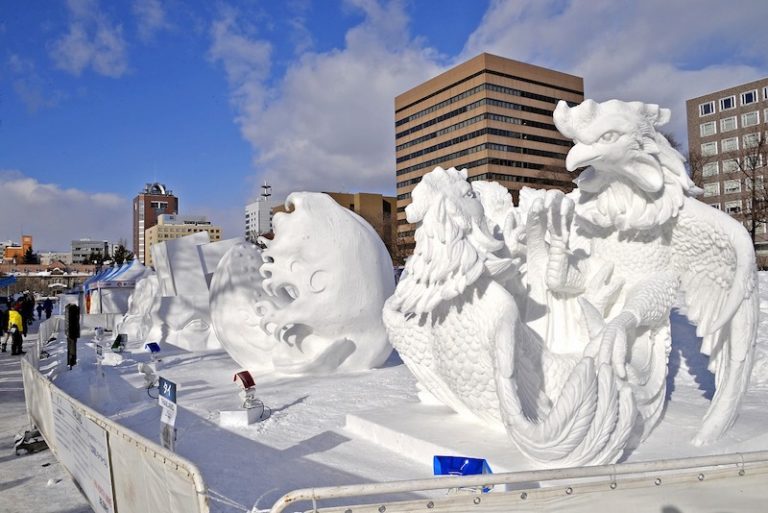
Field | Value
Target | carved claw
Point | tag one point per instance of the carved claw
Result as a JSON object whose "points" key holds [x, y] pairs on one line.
{"points": [[613, 342]]}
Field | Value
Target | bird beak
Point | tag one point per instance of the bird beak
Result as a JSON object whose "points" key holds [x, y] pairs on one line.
{"points": [[580, 155]]}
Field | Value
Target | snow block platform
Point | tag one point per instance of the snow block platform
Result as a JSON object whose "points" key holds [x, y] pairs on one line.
{"points": [[420, 431], [239, 418]]}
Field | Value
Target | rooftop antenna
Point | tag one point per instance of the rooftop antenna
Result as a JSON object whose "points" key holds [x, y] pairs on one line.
{"points": [[266, 191]]}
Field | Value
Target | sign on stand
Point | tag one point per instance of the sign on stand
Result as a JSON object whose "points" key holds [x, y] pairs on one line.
{"points": [[167, 401]]}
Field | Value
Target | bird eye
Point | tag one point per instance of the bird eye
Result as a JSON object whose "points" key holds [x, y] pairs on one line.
{"points": [[609, 136]]}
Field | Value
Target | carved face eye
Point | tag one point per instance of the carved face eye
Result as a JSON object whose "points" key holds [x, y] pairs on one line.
{"points": [[610, 136]]}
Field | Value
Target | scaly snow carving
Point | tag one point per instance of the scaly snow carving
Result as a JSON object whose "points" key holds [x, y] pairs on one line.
{"points": [[552, 318], [308, 303], [464, 336]]}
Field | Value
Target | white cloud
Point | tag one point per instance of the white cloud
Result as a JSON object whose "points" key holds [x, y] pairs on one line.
{"points": [[328, 124], [30, 86], [55, 216], [92, 40], [651, 51], [151, 18]]}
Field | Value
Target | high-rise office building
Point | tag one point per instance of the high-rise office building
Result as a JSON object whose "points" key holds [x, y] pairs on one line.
{"points": [[728, 153], [490, 115], [154, 200]]}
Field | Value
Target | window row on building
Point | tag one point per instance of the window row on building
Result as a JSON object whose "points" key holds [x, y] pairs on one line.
{"points": [[472, 106], [748, 141], [473, 91], [479, 133], [477, 119], [480, 147], [732, 165], [732, 187], [730, 102], [729, 124]]}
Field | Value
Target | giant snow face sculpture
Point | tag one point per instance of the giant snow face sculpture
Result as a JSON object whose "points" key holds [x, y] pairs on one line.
{"points": [[311, 301]]}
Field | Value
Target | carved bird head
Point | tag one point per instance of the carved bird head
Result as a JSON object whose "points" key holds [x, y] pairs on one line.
{"points": [[634, 178], [617, 139]]}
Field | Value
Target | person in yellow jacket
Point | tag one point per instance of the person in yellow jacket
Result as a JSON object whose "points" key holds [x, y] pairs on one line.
{"points": [[15, 326]]}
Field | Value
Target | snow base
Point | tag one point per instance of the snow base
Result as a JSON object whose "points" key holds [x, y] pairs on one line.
{"points": [[418, 431], [239, 418]]}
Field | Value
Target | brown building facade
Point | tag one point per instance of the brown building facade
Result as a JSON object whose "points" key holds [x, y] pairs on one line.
{"points": [[154, 200], [15, 254], [728, 153], [378, 210], [491, 115]]}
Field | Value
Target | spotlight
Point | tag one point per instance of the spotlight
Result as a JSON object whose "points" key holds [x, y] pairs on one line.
{"points": [[150, 378], [248, 393]]}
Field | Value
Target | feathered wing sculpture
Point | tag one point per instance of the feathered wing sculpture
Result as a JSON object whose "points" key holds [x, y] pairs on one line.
{"points": [[635, 206], [716, 262], [461, 334]]}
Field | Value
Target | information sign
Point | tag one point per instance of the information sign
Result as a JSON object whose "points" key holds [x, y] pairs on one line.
{"points": [[81, 446], [167, 401]]}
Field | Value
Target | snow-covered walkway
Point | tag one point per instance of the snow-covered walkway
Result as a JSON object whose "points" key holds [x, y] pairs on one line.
{"points": [[35, 482]]}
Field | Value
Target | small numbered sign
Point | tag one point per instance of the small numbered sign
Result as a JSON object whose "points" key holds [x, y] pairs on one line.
{"points": [[99, 351], [167, 400]]}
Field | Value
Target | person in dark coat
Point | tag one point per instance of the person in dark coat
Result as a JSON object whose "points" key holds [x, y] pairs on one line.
{"points": [[39, 311], [48, 307]]}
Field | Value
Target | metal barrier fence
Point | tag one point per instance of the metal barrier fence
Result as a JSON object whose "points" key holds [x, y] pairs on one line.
{"points": [[117, 469], [45, 330], [734, 482]]}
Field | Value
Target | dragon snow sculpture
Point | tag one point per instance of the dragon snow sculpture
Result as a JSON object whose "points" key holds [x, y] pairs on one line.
{"points": [[307, 303], [552, 318]]}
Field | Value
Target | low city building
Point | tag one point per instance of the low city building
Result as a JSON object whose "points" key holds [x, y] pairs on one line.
{"points": [[84, 249], [171, 226], [14, 253]]}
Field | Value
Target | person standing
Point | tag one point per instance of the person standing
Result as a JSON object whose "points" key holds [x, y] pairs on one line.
{"points": [[48, 307], [39, 311], [3, 324], [15, 326]]}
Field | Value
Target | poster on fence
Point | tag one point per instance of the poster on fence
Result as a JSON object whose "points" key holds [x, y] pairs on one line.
{"points": [[81, 446]]}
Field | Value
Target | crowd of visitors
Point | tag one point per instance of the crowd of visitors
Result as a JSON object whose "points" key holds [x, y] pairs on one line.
{"points": [[16, 315]]}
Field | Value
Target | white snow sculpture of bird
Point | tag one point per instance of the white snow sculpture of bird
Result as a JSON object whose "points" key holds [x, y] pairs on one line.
{"points": [[634, 209], [461, 334]]}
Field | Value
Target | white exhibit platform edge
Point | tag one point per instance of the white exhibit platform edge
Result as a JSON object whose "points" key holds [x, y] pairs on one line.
{"points": [[420, 431]]}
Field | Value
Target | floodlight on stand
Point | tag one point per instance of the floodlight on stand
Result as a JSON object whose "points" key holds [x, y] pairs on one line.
{"points": [[248, 394], [150, 377]]}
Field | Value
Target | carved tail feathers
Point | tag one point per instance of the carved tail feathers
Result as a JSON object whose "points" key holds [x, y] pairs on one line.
{"points": [[732, 367], [590, 420]]}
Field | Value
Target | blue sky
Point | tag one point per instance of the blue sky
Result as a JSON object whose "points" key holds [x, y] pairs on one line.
{"points": [[211, 98]]}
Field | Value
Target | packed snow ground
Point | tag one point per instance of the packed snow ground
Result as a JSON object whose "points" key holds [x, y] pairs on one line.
{"points": [[304, 444], [29, 483]]}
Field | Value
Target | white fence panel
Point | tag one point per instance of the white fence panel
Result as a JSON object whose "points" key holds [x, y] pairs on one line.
{"points": [[141, 476]]}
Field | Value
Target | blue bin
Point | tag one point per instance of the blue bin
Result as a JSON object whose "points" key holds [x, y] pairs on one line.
{"points": [[461, 466]]}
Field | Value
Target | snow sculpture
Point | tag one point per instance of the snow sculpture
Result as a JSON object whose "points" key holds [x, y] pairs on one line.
{"points": [[552, 319], [172, 304], [311, 301], [143, 305]]}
